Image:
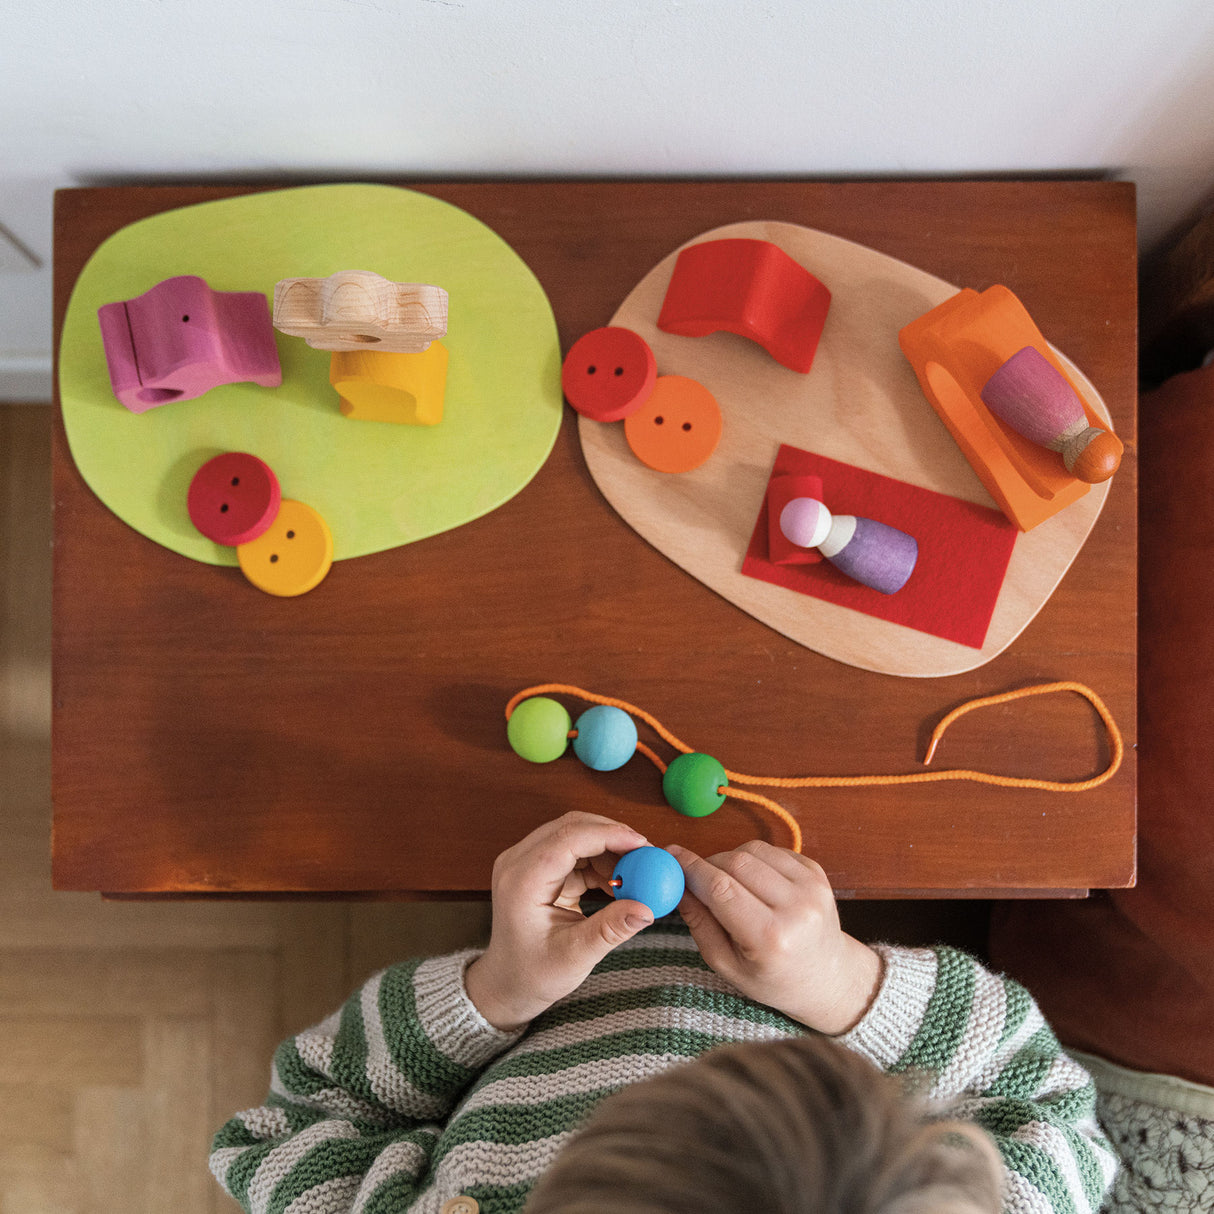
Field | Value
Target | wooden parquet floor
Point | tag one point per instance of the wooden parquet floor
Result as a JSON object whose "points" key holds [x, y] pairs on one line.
{"points": [[131, 1031]]}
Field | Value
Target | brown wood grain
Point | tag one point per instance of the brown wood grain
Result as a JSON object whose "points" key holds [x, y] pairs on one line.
{"points": [[211, 739]]}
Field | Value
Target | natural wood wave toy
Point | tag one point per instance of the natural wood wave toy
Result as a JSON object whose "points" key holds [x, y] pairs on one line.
{"points": [[386, 364], [357, 309], [539, 729]]}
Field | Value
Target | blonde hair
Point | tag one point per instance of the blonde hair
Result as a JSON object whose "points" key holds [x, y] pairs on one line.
{"points": [[787, 1126]]}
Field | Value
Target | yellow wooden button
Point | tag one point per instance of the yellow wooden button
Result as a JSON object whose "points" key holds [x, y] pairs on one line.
{"points": [[461, 1205], [292, 556]]}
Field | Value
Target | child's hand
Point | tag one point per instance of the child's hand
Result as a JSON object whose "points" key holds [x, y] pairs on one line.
{"points": [[542, 946], [765, 919]]}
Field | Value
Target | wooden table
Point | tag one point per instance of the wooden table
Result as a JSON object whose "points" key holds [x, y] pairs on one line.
{"points": [[212, 742]]}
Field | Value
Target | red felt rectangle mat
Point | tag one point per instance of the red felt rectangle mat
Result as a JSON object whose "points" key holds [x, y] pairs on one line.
{"points": [[964, 551]]}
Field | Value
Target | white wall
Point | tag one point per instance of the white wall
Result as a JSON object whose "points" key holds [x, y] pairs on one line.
{"points": [[100, 91]]}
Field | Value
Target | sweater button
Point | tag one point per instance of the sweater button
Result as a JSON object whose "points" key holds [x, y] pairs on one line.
{"points": [[460, 1205]]}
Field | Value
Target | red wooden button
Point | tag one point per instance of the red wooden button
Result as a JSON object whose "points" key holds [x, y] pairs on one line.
{"points": [[608, 374], [233, 498]]}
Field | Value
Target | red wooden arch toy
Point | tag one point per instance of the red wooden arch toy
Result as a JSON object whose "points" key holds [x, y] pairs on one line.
{"points": [[752, 288]]}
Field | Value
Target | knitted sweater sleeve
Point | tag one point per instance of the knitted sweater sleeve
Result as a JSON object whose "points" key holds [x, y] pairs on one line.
{"points": [[981, 1047], [356, 1103]]}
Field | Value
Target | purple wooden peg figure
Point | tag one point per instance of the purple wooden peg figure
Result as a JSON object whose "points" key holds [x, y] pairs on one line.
{"points": [[873, 553]]}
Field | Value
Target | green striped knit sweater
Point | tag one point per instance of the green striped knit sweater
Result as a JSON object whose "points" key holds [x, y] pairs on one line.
{"points": [[407, 1097]]}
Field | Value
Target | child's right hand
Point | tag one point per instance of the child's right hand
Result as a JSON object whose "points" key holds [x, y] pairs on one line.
{"points": [[541, 946], [765, 919]]}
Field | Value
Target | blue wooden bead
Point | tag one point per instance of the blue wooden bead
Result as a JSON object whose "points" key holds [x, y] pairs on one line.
{"points": [[652, 876], [606, 737]]}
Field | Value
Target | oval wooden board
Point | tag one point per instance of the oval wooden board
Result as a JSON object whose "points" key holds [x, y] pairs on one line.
{"points": [[861, 404]]}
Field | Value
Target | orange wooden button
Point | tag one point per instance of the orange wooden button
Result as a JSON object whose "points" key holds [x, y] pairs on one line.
{"points": [[291, 557], [608, 373], [677, 428]]}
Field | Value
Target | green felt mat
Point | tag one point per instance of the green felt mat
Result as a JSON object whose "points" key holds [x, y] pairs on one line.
{"points": [[377, 484]]}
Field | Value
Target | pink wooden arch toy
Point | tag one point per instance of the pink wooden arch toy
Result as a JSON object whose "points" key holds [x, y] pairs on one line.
{"points": [[752, 288], [181, 339]]}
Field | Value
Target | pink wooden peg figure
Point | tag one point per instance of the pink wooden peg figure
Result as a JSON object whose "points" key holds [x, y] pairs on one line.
{"points": [[1029, 394], [874, 554], [181, 339]]}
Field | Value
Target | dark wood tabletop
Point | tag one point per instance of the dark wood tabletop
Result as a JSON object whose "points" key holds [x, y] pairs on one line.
{"points": [[210, 739]]}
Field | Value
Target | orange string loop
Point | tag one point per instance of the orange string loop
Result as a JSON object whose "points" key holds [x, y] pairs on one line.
{"points": [[1116, 746], [794, 827], [652, 756]]}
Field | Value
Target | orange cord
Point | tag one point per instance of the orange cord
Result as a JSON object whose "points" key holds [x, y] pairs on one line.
{"points": [[767, 803], [1116, 744]]}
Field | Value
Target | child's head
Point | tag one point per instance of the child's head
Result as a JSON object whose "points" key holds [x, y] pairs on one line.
{"points": [[796, 1125]]}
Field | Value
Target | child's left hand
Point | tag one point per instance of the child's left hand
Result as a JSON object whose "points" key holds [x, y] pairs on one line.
{"points": [[765, 919], [542, 947]]}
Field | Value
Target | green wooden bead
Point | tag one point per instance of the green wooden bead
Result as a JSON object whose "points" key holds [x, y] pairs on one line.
{"points": [[538, 729], [692, 783]]}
